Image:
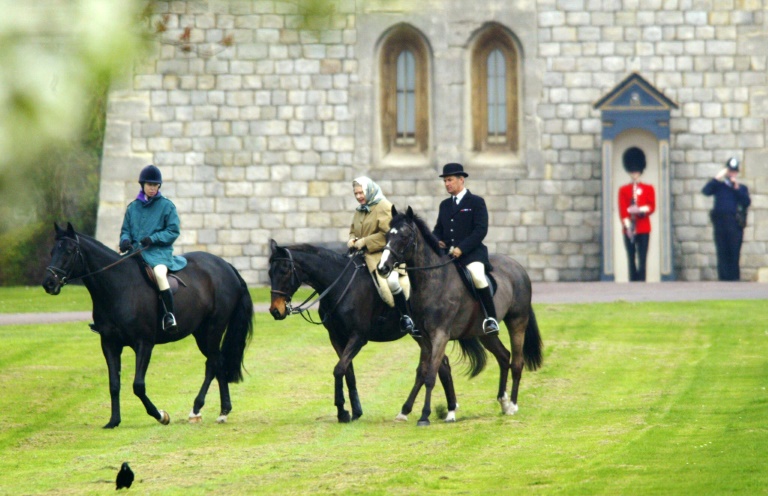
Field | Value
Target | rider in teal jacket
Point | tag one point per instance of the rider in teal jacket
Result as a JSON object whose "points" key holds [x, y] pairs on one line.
{"points": [[151, 220]]}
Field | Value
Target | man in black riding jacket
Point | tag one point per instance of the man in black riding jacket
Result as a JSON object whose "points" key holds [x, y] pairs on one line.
{"points": [[462, 224]]}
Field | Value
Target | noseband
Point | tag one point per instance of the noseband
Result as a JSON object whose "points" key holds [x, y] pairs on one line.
{"points": [[61, 276], [294, 278], [400, 256]]}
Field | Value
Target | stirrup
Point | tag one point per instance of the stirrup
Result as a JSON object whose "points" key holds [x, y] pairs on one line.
{"points": [[490, 326], [169, 322], [406, 324]]}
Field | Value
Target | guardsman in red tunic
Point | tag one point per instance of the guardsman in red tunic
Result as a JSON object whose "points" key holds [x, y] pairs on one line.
{"points": [[637, 201]]}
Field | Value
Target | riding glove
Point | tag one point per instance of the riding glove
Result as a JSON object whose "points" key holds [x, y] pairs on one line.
{"points": [[360, 244], [146, 241], [125, 245]]}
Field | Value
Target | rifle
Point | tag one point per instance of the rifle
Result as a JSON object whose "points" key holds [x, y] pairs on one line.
{"points": [[630, 231]]}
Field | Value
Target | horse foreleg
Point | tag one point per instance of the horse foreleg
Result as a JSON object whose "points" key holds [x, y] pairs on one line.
{"points": [[407, 407], [195, 415], [354, 397], [446, 379], [112, 354], [143, 355], [435, 358], [344, 369]]}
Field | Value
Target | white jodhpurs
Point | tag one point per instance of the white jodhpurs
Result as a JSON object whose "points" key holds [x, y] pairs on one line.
{"points": [[161, 275], [398, 282], [477, 270]]}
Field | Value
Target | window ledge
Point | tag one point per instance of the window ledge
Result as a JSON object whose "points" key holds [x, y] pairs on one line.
{"points": [[495, 159], [404, 159]]}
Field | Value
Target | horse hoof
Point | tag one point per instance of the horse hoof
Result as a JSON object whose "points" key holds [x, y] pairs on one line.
{"points": [[423, 423], [195, 418], [344, 417], [401, 417], [164, 419], [222, 419], [451, 417], [511, 410]]}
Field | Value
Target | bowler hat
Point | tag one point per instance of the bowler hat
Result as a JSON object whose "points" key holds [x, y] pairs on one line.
{"points": [[732, 164], [453, 169]]}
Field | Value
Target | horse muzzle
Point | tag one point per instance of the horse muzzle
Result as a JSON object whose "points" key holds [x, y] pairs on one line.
{"points": [[279, 308], [51, 285]]}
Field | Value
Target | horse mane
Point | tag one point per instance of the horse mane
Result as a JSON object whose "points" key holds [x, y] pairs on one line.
{"points": [[319, 251], [88, 238], [421, 225]]}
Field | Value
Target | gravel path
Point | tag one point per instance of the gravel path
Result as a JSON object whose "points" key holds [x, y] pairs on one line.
{"points": [[543, 292]]}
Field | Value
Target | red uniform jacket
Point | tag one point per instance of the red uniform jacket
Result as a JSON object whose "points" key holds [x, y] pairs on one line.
{"points": [[645, 197]]}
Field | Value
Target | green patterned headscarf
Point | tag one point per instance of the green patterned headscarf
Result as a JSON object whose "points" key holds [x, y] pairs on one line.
{"points": [[373, 194]]}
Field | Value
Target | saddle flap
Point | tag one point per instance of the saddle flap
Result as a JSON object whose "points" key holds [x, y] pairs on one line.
{"points": [[466, 278], [149, 277]]}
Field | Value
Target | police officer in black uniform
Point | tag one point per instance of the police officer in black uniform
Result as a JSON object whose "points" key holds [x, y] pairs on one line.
{"points": [[728, 216], [462, 224]]}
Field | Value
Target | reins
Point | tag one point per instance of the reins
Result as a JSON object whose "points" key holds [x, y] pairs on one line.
{"points": [[301, 309], [65, 279]]}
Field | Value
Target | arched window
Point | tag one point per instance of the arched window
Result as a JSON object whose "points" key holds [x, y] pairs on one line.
{"points": [[495, 68], [404, 97]]}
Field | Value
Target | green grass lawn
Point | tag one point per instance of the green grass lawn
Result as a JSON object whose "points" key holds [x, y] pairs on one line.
{"points": [[647, 398], [30, 299]]}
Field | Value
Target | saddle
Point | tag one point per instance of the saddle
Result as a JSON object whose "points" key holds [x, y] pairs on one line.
{"points": [[466, 278], [149, 277]]}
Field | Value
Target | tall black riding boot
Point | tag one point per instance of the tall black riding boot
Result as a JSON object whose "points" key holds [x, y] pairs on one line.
{"points": [[489, 324], [169, 320], [406, 324]]}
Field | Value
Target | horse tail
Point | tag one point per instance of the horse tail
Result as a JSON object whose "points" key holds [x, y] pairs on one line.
{"points": [[532, 345], [472, 350], [238, 334]]}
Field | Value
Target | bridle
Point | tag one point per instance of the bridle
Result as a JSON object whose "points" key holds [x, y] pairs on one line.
{"points": [[63, 277], [400, 256], [301, 308]]}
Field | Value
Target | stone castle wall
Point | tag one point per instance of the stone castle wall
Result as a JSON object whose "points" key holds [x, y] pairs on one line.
{"points": [[262, 139]]}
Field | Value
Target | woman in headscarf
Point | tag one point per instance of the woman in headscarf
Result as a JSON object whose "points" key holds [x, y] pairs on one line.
{"points": [[368, 232]]}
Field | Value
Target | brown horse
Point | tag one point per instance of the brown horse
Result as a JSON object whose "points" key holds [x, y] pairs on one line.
{"points": [[353, 313], [444, 310]]}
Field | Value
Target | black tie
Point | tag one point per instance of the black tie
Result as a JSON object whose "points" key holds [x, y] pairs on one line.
{"points": [[455, 200]]}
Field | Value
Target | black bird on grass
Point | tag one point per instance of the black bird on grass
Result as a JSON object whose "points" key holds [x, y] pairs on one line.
{"points": [[124, 477]]}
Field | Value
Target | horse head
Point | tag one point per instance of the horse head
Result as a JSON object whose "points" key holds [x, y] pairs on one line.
{"points": [[401, 240], [284, 280], [65, 257]]}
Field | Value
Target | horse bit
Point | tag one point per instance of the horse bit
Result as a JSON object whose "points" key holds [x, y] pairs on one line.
{"points": [[300, 309]]}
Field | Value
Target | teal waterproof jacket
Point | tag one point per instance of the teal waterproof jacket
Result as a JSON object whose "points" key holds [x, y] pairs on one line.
{"points": [[158, 220]]}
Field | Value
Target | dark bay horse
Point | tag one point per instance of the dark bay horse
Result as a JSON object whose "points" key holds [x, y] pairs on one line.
{"points": [[444, 310], [353, 313], [214, 304]]}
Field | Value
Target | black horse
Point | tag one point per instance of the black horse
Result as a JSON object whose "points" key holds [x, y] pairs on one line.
{"points": [[126, 312], [444, 310], [353, 313]]}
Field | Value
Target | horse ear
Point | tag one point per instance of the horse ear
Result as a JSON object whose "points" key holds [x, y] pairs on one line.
{"points": [[409, 212], [70, 229], [56, 228], [272, 245], [394, 210]]}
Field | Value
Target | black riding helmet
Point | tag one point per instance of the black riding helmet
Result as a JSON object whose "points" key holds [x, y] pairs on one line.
{"points": [[150, 174]]}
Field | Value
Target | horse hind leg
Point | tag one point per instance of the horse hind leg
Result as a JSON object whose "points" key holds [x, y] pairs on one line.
{"points": [[195, 416], [492, 343], [517, 337]]}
